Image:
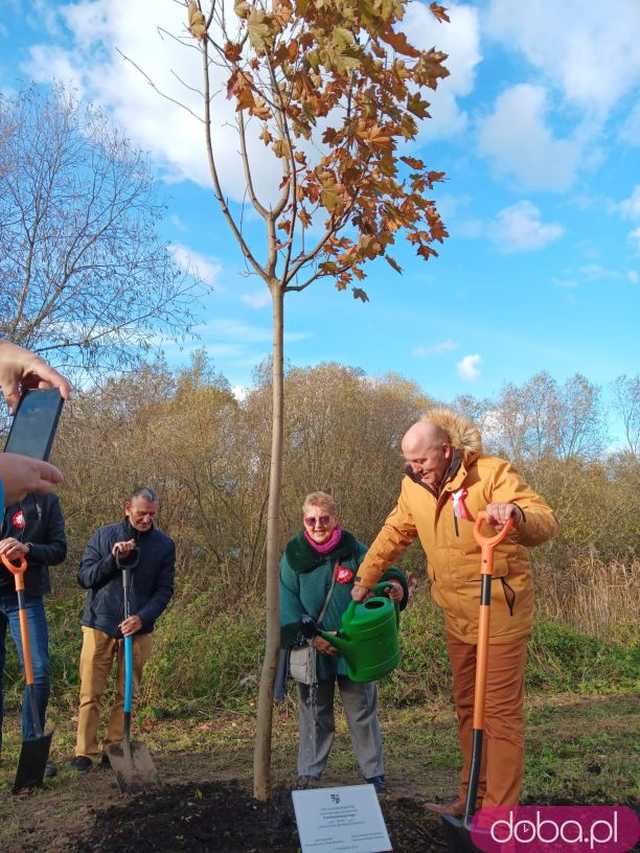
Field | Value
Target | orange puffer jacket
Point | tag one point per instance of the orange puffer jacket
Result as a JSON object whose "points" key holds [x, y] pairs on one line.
{"points": [[453, 556]]}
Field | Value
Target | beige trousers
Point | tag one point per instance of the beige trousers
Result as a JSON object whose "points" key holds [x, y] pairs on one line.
{"points": [[96, 663]]}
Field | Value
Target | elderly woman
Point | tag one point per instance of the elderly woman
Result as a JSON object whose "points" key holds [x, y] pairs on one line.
{"points": [[317, 571]]}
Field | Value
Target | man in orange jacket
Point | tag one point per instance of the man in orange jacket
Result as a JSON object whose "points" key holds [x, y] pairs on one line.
{"points": [[448, 481]]}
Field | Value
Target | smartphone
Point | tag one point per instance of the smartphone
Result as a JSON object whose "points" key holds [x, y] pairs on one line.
{"points": [[35, 423]]}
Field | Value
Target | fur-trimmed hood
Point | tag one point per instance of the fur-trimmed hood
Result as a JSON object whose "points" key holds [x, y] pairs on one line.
{"points": [[463, 433]]}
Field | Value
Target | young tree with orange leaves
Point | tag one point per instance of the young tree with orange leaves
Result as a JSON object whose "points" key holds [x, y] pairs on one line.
{"points": [[334, 88]]}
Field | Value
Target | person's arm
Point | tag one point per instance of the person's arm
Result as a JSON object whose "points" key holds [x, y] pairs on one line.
{"points": [[534, 520], [291, 609], [98, 566], [163, 591], [53, 549], [393, 574], [398, 532]]}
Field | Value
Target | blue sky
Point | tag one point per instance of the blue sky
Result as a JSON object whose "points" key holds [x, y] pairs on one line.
{"points": [[538, 130]]}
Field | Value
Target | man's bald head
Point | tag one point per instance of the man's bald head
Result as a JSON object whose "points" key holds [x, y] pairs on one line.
{"points": [[422, 436], [427, 450]]}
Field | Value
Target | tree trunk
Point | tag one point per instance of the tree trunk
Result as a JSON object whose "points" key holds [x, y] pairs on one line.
{"points": [[262, 752]]}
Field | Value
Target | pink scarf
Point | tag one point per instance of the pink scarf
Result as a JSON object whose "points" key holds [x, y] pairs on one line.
{"points": [[327, 546]]}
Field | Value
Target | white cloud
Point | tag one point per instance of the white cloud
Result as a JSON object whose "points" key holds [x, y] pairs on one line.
{"points": [[519, 229], [258, 299], [630, 207], [240, 392], [519, 143], [201, 267], [470, 228], [177, 223], [244, 332], [596, 272], [634, 239], [460, 39], [172, 136], [590, 51], [468, 367], [633, 276], [443, 346]]}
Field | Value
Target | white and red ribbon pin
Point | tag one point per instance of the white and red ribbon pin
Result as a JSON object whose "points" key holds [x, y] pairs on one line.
{"points": [[18, 520], [460, 509]]}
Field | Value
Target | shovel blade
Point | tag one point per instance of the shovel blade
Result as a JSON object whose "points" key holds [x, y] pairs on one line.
{"points": [[457, 835], [32, 762], [133, 766]]}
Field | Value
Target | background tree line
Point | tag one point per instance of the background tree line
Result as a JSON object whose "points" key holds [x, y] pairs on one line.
{"points": [[207, 453]]}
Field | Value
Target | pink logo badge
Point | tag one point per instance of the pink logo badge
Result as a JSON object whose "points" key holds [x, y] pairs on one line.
{"points": [[556, 829]]}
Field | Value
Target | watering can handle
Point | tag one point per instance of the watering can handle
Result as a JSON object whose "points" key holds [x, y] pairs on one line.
{"points": [[380, 588]]}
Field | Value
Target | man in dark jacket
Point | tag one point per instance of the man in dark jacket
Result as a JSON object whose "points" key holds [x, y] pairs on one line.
{"points": [[33, 529], [151, 555]]}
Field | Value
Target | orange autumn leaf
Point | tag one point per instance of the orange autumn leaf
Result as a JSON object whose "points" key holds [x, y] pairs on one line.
{"points": [[440, 12], [232, 51]]}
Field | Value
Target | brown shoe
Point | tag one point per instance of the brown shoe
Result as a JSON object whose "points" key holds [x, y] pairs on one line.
{"points": [[454, 808]]}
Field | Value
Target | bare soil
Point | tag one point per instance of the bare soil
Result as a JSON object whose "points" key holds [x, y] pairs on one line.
{"points": [[223, 816], [578, 750]]}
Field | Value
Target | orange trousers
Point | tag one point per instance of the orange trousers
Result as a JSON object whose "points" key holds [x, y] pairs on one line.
{"points": [[96, 662], [503, 742]]}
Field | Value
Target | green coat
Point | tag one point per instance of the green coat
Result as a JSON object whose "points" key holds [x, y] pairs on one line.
{"points": [[305, 578]]}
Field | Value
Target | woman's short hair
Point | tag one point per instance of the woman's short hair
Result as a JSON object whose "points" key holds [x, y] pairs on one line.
{"points": [[321, 499]]}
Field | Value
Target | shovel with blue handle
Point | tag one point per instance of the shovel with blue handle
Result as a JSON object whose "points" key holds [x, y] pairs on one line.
{"points": [[130, 760]]}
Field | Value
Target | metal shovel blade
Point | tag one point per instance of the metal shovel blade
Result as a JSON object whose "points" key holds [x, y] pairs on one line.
{"points": [[32, 762], [458, 836], [133, 766]]}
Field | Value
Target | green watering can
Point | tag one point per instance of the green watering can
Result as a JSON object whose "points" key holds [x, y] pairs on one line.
{"points": [[368, 636]]}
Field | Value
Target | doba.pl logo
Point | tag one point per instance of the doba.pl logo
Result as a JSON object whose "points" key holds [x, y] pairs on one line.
{"points": [[556, 829]]}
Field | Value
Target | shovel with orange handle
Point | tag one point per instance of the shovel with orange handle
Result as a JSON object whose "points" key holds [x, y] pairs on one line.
{"points": [[35, 752], [457, 830]]}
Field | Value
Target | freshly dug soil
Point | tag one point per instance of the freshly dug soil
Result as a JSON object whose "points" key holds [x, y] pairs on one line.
{"points": [[223, 817]]}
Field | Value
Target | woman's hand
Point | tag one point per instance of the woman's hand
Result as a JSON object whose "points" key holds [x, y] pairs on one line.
{"points": [[324, 646], [394, 591]]}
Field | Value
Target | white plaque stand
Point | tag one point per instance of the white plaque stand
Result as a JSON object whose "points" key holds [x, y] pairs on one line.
{"points": [[340, 820]]}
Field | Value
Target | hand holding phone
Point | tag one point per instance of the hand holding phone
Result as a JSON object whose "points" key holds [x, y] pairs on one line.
{"points": [[23, 465], [21, 369], [35, 423]]}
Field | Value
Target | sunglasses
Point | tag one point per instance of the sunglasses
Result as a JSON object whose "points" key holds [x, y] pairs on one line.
{"points": [[322, 521]]}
